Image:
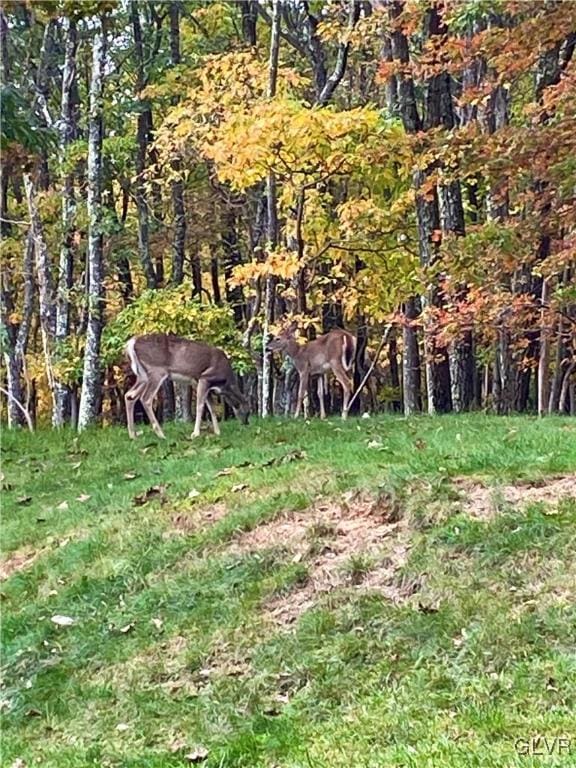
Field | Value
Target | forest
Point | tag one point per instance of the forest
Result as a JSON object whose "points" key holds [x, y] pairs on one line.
{"points": [[224, 171]]}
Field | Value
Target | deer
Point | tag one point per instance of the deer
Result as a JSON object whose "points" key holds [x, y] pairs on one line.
{"points": [[333, 351], [156, 357]]}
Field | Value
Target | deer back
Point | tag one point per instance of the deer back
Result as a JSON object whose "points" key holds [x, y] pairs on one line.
{"points": [[181, 358]]}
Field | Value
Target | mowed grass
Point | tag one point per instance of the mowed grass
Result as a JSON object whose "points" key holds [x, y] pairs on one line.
{"points": [[171, 658]]}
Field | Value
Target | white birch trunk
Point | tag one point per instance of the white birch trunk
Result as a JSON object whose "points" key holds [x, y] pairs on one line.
{"points": [[66, 128], [89, 399]]}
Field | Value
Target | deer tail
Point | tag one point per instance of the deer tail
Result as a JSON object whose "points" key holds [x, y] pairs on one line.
{"points": [[134, 362], [348, 351]]}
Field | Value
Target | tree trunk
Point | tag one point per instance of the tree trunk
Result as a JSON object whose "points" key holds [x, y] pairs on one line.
{"points": [[249, 10], [407, 105], [65, 274], [232, 258], [91, 379], [17, 335], [45, 283], [410, 361], [179, 241], [461, 349], [544, 356], [266, 403], [563, 403], [143, 135]]}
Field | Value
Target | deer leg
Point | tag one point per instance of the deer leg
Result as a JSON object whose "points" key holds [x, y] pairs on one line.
{"points": [[302, 390], [211, 411], [130, 398], [147, 399], [202, 392], [320, 388], [346, 384]]}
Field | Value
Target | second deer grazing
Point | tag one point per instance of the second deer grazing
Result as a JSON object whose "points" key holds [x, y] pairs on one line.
{"points": [[159, 356], [333, 351]]}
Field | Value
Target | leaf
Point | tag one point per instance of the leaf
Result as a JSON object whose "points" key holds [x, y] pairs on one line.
{"points": [[194, 493], [293, 456], [83, 497], [239, 487], [62, 621], [130, 475], [63, 506], [122, 727], [158, 623], [154, 492], [225, 471], [128, 628], [23, 500], [198, 755]]}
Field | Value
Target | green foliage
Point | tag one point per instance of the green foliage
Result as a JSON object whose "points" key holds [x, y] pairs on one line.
{"points": [[171, 310], [19, 125]]}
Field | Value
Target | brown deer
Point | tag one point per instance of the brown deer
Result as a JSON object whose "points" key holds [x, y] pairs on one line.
{"points": [[159, 356], [333, 351]]}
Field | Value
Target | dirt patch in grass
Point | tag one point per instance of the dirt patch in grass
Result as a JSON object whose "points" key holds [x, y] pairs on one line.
{"points": [[483, 501], [187, 522], [18, 561], [22, 559], [358, 541]]}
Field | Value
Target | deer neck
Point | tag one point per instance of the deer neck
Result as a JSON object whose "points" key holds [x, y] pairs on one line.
{"points": [[295, 351]]}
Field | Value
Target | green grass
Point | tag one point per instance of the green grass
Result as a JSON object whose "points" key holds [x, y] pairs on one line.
{"points": [[171, 648]]}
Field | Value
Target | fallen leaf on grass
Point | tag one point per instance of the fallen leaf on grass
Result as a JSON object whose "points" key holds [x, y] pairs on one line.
{"points": [[130, 475], [122, 727], [198, 755], [62, 621], [293, 456], [155, 492], [158, 623], [83, 497], [225, 471], [63, 506], [239, 487], [127, 628], [23, 500], [194, 493]]}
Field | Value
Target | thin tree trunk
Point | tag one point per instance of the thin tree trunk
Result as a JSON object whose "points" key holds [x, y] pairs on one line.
{"points": [[179, 241], [272, 230], [17, 334], [65, 275], [411, 377], [544, 356], [142, 135], [249, 10], [232, 258], [565, 390], [45, 283], [461, 350], [91, 379]]}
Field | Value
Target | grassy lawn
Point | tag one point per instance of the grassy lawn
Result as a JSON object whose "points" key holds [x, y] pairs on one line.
{"points": [[178, 649]]}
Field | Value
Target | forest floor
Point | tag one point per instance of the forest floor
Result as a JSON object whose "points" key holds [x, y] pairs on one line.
{"points": [[381, 592]]}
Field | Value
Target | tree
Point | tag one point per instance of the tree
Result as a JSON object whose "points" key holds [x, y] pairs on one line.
{"points": [[91, 381]]}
